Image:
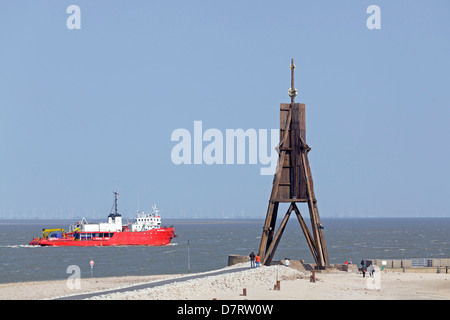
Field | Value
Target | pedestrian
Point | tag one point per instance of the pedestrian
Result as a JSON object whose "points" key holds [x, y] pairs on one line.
{"points": [[371, 270], [363, 267], [252, 260], [286, 262], [258, 260]]}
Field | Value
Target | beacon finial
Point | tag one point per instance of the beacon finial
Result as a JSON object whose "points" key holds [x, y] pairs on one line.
{"points": [[292, 90]]}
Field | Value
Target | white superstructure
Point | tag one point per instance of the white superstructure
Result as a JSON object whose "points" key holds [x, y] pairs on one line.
{"points": [[144, 222], [114, 224]]}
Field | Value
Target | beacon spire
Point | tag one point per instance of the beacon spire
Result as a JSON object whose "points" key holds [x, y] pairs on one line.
{"points": [[292, 90]]}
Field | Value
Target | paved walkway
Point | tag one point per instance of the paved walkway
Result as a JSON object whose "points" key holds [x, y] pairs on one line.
{"points": [[151, 285]]}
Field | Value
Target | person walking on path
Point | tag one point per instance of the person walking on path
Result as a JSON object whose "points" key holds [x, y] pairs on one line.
{"points": [[363, 267], [252, 260], [371, 270], [258, 260]]}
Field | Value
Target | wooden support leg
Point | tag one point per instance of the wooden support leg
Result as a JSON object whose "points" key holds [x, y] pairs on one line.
{"points": [[272, 210], [315, 230], [307, 234], [269, 228], [272, 225], [312, 212], [321, 237], [273, 246]]}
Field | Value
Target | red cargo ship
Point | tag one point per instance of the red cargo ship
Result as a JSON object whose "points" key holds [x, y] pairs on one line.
{"points": [[144, 230]]}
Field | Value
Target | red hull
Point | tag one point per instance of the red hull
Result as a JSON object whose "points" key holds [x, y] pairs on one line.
{"points": [[153, 237]]}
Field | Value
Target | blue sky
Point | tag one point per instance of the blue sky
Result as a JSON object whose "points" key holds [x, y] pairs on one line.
{"points": [[84, 112]]}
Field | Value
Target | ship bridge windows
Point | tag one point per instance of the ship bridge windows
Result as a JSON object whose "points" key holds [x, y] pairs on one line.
{"points": [[103, 235], [89, 236], [85, 236], [151, 218]]}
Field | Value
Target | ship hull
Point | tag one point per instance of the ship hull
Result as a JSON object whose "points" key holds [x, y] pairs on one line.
{"points": [[153, 237]]}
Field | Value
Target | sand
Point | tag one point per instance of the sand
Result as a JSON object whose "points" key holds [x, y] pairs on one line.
{"points": [[259, 284], [51, 289]]}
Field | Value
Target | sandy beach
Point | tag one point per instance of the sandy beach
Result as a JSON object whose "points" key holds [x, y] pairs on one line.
{"points": [[258, 282]]}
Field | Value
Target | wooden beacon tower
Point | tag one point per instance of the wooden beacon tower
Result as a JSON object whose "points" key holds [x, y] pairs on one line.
{"points": [[293, 183]]}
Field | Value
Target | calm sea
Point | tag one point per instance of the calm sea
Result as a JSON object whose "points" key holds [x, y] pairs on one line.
{"points": [[210, 243]]}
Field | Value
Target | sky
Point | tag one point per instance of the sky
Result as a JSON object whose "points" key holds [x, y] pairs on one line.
{"points": [[87, 111]]}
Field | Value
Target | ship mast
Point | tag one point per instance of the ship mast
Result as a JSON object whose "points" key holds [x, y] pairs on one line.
{"points": [[115, 202], [115, 213]]}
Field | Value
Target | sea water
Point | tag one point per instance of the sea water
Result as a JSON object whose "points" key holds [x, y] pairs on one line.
{"points": [[210, 243]]}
